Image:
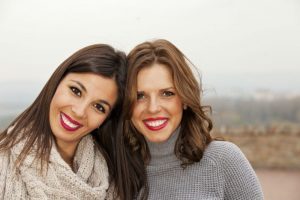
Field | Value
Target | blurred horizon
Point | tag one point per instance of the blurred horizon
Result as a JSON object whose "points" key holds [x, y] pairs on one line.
{"points": [[260, 107], [33, 87]]}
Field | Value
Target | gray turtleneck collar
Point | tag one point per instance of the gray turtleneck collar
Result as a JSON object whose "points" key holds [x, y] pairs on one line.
{"points": [[163, 152]]}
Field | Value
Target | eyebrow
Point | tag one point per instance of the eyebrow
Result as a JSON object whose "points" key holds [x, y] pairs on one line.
{"points": [[167, 88], [84, 89], [81, 85]]}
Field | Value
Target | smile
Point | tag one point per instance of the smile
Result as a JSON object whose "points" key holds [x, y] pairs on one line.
{"points": [[68, 123], [155, 124]]}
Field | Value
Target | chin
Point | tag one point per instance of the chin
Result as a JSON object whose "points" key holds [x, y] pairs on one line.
{"points": [[158, 139]]}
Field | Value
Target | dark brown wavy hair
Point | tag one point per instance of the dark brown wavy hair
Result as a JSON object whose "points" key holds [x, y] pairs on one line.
{"points": [[33, 124], [196, 125]]}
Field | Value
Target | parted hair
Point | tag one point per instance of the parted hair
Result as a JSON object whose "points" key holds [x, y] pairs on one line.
{"points": [[33, 125], [196, 124]]}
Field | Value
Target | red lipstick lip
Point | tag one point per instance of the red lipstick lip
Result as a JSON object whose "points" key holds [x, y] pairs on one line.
{"points": [[156, 128], [156, 118], [70, 119], [66, 126]]}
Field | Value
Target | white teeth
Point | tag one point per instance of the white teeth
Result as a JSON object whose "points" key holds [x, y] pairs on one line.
{"points": [[66, 121], [155, 123]]}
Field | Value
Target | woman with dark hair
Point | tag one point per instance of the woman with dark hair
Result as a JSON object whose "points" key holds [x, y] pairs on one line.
{"points": [[166, 150], [61, 146]]}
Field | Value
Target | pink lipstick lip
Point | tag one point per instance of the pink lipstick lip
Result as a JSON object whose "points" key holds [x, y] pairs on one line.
{"points": [[156, 128], [66, 126]]}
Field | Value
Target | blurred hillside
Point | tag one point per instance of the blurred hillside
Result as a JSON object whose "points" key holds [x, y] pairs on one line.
{"points": [[267, 130], [240, 112]]}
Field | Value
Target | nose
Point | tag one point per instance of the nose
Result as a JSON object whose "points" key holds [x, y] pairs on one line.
{"points": [[154, 105], [79, 110]]}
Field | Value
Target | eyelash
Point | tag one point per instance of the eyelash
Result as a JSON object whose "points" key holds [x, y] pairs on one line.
{"points": [[99, 108], [141, 95], [76, 91], [168, 93]]}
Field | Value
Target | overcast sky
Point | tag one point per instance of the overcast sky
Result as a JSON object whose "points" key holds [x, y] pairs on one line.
{"points": [[236, 44]]}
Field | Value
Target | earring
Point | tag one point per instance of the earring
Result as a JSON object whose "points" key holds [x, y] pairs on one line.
{"points": [[184, 106]]}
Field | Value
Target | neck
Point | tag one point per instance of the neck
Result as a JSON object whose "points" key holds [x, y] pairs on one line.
{"points": [[163, 152], [67, 152]]}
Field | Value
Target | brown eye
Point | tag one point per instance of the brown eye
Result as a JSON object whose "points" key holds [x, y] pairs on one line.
{"points": [[75, 91], [100, 107]]}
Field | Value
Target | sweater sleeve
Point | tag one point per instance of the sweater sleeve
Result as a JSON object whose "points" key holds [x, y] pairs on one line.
{"points": [[241, 181], [4, 161]]}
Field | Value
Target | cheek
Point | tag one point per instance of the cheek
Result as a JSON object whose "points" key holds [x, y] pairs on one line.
{"points": [[176, 108], [59, 99], [137, 112], [96, 121], [54, 105]]}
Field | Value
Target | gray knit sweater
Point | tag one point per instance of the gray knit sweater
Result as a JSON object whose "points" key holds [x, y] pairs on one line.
{"points": [[222, 173]]}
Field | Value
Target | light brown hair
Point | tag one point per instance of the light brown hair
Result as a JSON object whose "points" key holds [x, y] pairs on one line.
{"points": [[196, 125]]}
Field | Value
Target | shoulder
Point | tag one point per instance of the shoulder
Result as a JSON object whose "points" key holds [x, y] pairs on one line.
{"points": [[237, 173], [223, 151], [3, 159], [4, 162], [228, 157], [221, 145]]}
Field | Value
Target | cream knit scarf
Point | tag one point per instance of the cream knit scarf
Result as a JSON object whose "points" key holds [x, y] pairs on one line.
{"points": [[89, 181]]}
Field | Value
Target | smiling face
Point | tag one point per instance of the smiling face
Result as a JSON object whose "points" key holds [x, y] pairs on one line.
{"points": [[158, 109], [81, 103]]}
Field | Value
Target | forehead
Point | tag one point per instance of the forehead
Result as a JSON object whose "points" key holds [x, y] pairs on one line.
{"points": [[97, 86], [154, 76]]}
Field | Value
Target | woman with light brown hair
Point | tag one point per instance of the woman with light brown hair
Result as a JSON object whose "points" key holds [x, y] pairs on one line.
{"points": [[60, 147], [166, 142]]}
